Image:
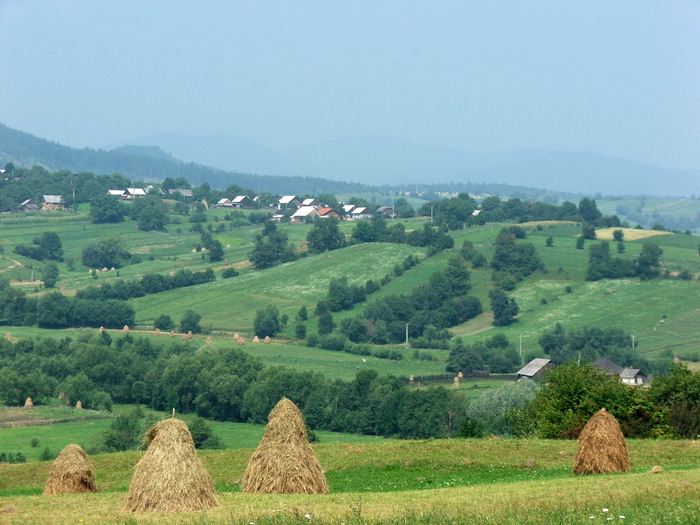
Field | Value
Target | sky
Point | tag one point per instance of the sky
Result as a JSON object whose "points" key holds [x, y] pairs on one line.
{"points": [[619, 78]]}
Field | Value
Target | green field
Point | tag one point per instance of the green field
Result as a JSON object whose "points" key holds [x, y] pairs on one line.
{"points": [[437, 481]]}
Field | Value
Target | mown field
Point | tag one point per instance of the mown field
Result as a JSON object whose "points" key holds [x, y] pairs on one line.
{"points": [[437, 481]]}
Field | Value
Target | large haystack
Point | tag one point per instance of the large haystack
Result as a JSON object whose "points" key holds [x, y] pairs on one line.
{"points": [[170, 477], [601, 446], [284, 462], [28, 403], [71, 473]]}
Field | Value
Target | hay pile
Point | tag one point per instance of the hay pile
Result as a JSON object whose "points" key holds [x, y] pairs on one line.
{"points": [[28, 403], [455, 383], [8, 336], [256, 339], [284, 462], [601, 446], [267, 340], [71, 473], [156, 332], [170, 477], [79, 405]]}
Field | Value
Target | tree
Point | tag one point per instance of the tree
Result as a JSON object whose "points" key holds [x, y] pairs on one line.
{"points": [[152, 218], [588, 231], [580, 241], [620, 247], [458, 275], [106, 253], [325, 236], [52, 244], [549, 241], [300, 330], [106, 208], [190, 322], [50, 274], [267, 321], [325, 323], [618, 235], [504, 308], [164, 322], [302, 315], [203, 434], [647, 265], [215, 251], [588, 210], [54, 311]]}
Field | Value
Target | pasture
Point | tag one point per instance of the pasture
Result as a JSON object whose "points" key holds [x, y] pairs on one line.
{"points": [[436, 481]]}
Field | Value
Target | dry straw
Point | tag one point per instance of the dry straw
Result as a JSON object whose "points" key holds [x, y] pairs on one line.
{"points": [[28, 403], [267, 340], [71, 473], [284, 462], [79, 405], [256, 339], [601, 446], [170, 477]]}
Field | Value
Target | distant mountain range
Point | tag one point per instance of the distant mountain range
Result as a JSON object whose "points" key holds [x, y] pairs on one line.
{"points": [[354, 165], [379, 160]]}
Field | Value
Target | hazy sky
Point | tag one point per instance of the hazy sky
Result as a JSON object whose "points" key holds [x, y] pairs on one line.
{"points": [[613, 77]]}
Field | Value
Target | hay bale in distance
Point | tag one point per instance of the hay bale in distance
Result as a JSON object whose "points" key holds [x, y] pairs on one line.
{"points": [[209, 340], [284, 462], [267, 340], [79, 405], [170, 477], [601, 446], [172, 333], [126, 329], [241, 341], [256, 339], [156, 332], [455, 383], [71, 473], [8, 336], [28, 403]]}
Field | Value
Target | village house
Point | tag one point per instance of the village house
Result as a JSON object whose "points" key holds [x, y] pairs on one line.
{"points": [[535, 368], [52, 202], [628, 376], [386, 210], [132, 193], [324, 213], [185, 192], [28, 205], [287, 201], [223, 203], [242, 201], [361, 213], [311, 202], [116, 193], [303, 213]]}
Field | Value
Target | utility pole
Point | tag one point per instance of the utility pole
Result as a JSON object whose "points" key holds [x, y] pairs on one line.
{"points": [[407, 335], [632, 342], [521, 346]]}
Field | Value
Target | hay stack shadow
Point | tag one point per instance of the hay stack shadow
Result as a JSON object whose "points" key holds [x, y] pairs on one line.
{"points": [[71, 473], [170, 477], [601, 446], [284, 462]]}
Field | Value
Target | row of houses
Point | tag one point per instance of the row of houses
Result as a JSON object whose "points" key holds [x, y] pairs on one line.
{"points": [[630, 376], [48, 202]]}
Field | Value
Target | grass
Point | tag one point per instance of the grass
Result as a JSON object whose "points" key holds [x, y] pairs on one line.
{"points": [[437, 481]]}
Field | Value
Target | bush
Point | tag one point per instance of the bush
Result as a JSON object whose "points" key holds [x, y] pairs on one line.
{"points": [[228, 273], [164, 322], [267, 321], [203, 434], [190, 322]]}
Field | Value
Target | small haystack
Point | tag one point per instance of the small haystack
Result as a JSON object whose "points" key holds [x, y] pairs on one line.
{"points": [[601, 446], [125, 329], [190, 335], [8, 336], [236, 335], [267, 340], [460, 375], [209, 340], [455, 383], [172, 333], [102, 329], [170, 477], [28, 403], [156, 332], [241, 341], [63, 397], [79, 405], [256, 339], [71, 473], [284, 462]]}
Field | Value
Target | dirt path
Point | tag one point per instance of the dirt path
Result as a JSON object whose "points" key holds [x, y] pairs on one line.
{"points": [[15, 264]]}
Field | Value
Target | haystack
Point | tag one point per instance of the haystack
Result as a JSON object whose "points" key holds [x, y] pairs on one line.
{"points": [[455, 383], [267, 340], [156, 332], [125, 329], [28, 403], [236, 335], [256, 339], [172, 333], [241, 341], [102, 329], [170, 477], [79, 405], [8, 336], [284, 462], [209, 340], [71, 473], [601, 446]]}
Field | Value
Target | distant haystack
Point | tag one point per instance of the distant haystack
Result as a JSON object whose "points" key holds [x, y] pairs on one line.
{"points": [[267, 340], [190, 335], [236, 335], [63, 397], [209, 340], [28, 403], [79, 405], [241, 341], [156, 332], [172, 333], [284, 462], [71, 473], [8, 336], [460, 375], [102, 329], [601, 446], [455, 383], [126, 329], [256, 339], [170, 477]]}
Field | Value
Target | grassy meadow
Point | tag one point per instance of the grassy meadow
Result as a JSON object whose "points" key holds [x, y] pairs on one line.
{"points": [[436, 481]]}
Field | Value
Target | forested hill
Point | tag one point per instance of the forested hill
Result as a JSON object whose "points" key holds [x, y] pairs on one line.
{"points": [[148, 164]]}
